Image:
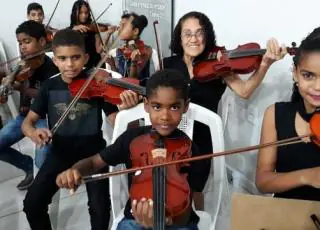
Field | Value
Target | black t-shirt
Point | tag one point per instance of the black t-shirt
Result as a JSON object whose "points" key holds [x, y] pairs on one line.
{"points": [[45, 71], [206, 94], [80, 132], [119, 153], [294, 157]]}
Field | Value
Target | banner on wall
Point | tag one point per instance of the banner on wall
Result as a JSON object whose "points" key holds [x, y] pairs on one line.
{"points": [[160, 10]]}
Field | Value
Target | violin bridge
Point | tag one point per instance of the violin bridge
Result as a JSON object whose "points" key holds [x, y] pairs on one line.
{"points": [[159, 153]]}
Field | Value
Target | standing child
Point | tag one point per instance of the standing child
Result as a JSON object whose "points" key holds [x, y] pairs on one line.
{"points": [[31, 38], [78, 137], [293, 171], [80, 19], [167, 99]]}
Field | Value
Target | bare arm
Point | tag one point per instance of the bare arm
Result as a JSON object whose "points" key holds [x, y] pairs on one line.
{"points": [[244, 89], [28, 125], [267, 180], [89, 165]]}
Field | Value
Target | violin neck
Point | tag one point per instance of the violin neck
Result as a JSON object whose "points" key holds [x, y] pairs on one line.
{"points": [[127, 85], [246, 53], [159, 197]]}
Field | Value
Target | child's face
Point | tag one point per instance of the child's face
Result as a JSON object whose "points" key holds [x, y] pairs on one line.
{"points": [[165, 108], [307, 75], [83, 14], [127, 31], [36, 15], [70, 60], [30, 45]]}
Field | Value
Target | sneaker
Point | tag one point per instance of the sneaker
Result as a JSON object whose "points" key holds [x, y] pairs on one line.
{"points": [[26, 182]]}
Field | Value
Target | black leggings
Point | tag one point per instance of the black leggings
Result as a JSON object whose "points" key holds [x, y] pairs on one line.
{"points": [[40, 194]]}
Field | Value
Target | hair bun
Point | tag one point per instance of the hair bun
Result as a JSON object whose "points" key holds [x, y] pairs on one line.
{"points": [[143, 20]]}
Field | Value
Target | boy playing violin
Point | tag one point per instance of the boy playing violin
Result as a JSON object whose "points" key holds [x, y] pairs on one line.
{"points": [[35, 12], [166, 101], [78, 137], [31, 38]]}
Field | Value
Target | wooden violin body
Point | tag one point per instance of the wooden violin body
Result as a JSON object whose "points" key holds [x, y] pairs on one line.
{"points": [[221, 62], [110, 89], [131, 46], [145, 152]]}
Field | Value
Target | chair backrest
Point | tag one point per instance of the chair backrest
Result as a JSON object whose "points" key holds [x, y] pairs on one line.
{"points": [[214, 187]]}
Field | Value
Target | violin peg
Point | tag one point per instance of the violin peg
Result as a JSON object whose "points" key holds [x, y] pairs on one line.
{"points": [[293, 44]]}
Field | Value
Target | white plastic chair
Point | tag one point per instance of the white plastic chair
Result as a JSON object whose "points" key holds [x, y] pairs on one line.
{"points": [[214, 187]]}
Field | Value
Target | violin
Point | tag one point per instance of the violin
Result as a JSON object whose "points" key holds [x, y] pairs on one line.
{"points": [[99, 27], [131, 46], [221, 62], [166, 186], [20, 73], [109, 90]]}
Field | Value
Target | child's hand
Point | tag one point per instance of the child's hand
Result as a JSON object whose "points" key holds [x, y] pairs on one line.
{"points": [[69, 179], [142, 211], [136, 55], [129, 99], [81, 28], [274, 52], [41, 136]]}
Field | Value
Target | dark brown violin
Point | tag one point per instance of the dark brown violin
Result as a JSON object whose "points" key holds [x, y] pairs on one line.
{"points": [[20, 74], [221, 62], [110, 89], [166, 186]]}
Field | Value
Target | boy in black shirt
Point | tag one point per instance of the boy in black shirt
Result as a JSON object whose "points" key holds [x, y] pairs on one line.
{"points": [[167, 99], [78, 137], [31, 37]]}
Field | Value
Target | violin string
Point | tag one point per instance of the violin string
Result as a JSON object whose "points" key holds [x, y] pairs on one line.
{"points": [[287, 141], [245, 53], [84, 86]]}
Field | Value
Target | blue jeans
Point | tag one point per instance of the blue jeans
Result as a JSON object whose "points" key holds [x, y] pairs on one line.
{"points": [[10, 134], [130, 224]]}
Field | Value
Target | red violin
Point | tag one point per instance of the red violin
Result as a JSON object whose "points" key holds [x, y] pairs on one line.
{"points": [[131, 46], [110, 89], [221, 62], [166, 186]]}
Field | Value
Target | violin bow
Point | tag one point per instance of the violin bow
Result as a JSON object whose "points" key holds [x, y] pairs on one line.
{"points": [[110, 4], [53, 12], [96, 24], [158, 43], [288, 141], [84, 86]]}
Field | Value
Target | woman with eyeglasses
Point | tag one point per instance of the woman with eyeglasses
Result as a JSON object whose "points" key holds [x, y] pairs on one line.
{"points": [[193, 39]]}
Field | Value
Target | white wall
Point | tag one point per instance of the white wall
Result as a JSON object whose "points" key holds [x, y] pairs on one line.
{"points": [[235, 22]]}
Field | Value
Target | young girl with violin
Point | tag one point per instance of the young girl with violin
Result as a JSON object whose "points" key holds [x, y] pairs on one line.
{"points": [[78, 137], [133, 59], [81, 21], [166, 101], [27, 80], [193, 40], [293, 171]]}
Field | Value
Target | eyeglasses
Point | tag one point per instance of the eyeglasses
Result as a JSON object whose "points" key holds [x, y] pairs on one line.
{"points": [[199, 34]]}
